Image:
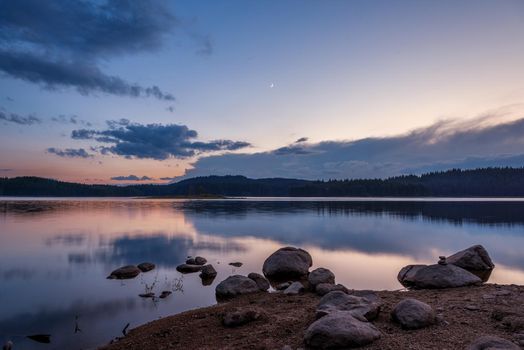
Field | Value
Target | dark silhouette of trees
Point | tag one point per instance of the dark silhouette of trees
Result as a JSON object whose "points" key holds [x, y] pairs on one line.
{"points": [[487, 182]]}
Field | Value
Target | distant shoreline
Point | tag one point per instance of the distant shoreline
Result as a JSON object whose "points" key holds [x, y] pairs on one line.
{"points": [[476, 183]]}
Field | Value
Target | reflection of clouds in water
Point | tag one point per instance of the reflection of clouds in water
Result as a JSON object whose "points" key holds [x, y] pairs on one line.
{"points": [[156, 247], [417, 230], [72, 239], [56, 321], [17, 273]]}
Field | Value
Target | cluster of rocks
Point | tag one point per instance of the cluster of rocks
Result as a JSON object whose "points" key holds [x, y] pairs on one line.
{"points": [[344, 318], [199, 264], [131, 271]]}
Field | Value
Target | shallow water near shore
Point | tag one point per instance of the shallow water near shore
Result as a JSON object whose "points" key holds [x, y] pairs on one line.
{"points": [[55, 254]]}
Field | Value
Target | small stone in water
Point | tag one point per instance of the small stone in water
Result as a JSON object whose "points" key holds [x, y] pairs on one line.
{"points": [[165, 294], [236, 264], [147, 295]]}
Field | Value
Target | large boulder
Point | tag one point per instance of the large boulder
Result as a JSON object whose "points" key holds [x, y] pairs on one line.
{"points": [[413, 314], [262, 283], [474, 259], [236, 285], [366, 307], [124, 272], [340, 330], [287, 262], [489, 342], [320, 275], [436, 276]]}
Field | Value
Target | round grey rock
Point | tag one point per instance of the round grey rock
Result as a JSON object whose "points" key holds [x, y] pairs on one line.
{"points": [[489, 342], [413, 314], [236, 285], [262, 283], [340, 330], [320, 275], [287, 262], [125, 272]]}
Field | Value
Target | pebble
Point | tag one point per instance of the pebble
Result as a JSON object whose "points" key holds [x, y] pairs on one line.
{"points": [[147, 295]]}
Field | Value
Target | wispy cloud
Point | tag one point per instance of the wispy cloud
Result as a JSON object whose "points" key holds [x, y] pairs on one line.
{"points": [[19, 119], [168, 178], [446, 144], [132, 178], [69, 152], [155, 141], [71, 119]]}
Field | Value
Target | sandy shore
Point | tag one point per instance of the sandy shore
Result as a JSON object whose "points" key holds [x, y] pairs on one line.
{"points": [[467, 312]]}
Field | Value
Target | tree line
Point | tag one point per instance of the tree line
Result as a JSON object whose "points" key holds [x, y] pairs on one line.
{"points": [[485, 182]]}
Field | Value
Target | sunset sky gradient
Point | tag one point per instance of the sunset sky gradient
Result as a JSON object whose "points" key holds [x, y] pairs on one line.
{"points": [[98, 91]]}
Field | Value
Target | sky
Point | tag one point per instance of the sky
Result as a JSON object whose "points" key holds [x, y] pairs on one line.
{"points": [[119, 91]]}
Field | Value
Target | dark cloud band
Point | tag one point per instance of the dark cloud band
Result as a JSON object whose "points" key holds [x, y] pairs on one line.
{"points": [[132, 178], [69, 152], [154, 141], [481, 142]]}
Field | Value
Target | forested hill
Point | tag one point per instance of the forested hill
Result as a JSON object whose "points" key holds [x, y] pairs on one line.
{"points": [[489, 182]]}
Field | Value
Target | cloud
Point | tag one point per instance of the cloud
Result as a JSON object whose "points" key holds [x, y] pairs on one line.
{"points": [[302, 139], [19, 119], [5, 170], [168, 178], [86, 77], [132, 178], [447, 144], [69, 152], [72, 119], [154, 141], [60, 44]]}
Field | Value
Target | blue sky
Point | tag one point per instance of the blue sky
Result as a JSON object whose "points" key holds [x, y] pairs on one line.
{"points": [[227, 87]]}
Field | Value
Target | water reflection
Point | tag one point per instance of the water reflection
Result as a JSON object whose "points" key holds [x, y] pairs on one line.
{"points": [[55, 254]]}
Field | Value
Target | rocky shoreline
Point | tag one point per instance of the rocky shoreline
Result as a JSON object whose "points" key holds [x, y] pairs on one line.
{"points": [[448, 306]]}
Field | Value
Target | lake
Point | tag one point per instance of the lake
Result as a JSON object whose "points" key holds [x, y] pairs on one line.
{"points": [[55, 254]]}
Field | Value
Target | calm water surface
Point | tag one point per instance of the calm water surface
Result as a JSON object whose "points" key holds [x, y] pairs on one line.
{"points": [[55, 254]]}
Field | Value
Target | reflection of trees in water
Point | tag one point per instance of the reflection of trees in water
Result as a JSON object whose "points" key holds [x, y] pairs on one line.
{"points": [[456, 212], [504, 213]]}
